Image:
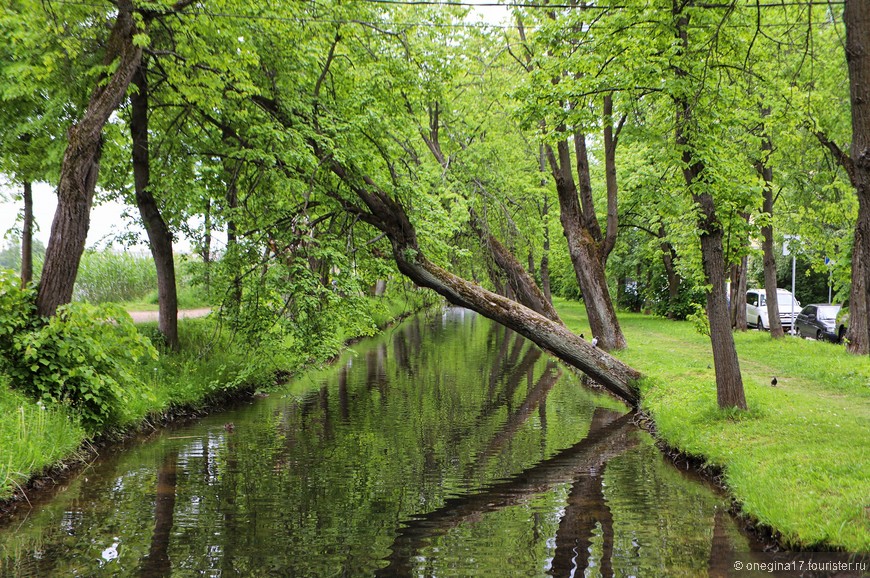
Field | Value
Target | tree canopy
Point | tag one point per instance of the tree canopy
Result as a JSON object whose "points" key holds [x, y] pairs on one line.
{"points": [[339, 145]]}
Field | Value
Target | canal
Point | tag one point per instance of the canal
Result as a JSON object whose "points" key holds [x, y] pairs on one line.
{"points": [[447, 446]]}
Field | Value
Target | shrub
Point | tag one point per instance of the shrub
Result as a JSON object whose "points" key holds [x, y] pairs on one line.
{"points": [[85, 356]]}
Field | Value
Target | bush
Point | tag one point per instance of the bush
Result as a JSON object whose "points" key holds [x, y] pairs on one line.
{"points": [[85, 356]]}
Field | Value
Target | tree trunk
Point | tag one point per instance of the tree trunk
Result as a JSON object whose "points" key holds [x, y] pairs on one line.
{"points": [[390, 217], [584, 253], [769, 261], [545, 265], [610, 142], [27, 236], [523, 287], [80, 167], [856, 16], [669, 259], [159, 236], [738, 295], [232, 200], [545, 212], [729, 382], [206, 244]]}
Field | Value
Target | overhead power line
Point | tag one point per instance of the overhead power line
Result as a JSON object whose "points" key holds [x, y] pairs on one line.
{"points": [[476, 25], [707, 5]]}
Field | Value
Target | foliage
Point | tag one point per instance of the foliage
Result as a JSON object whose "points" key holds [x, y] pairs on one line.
{"points": [[698, 319], [10, 256], [85, 356]]}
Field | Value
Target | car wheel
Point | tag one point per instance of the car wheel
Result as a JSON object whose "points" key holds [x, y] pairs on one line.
{"points": [[760, 324], [819, 335], [841, 334]]}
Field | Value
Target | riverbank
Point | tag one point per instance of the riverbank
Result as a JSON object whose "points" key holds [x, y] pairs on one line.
{"points": [[798, 461], [40, 443]]}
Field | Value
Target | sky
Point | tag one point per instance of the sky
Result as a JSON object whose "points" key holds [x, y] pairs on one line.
{"points": [[107, 220]]}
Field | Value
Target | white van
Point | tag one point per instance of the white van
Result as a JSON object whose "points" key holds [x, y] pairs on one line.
{"points": [[756, 308]]}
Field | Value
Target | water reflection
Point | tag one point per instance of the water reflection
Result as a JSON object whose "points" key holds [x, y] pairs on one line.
{"points": [[449, 446], [157, 562]]}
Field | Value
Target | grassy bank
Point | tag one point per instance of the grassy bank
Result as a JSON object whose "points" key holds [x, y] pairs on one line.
{"points": [[212, 363], [799, 460]]}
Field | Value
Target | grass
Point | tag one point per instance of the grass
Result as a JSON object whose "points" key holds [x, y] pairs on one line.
{"points": [[189, 297], [798, 460], [31, 437], [211, 361]]}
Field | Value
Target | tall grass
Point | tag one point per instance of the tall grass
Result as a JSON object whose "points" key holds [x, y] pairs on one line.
{"points": [[32, 437], [799, 459], [108, 276]]}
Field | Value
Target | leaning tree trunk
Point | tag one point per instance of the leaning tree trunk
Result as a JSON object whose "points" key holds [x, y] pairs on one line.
{"points": [[584, 253], [856, 15], [159, 236], [521, 283], [80, 167], [27, 236], [390, 217]]}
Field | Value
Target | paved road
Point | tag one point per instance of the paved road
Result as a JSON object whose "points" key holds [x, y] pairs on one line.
{"points": [[144, 316]]}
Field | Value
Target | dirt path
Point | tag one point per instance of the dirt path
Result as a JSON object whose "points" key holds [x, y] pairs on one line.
{"points": [[145, 316]]}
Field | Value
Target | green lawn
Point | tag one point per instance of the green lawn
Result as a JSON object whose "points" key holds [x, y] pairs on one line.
{"points": [[799, 459]]}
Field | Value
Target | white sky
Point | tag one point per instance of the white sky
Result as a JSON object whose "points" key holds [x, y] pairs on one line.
{"points": [[107, 222]]}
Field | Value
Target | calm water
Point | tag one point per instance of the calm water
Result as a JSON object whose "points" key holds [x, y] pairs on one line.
{"points": [[448, 446]]}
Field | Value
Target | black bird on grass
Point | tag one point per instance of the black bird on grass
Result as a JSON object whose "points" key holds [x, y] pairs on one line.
{"points": [[773, 382]]}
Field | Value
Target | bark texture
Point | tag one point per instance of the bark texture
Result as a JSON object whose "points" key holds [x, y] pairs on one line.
{"points": [[159, 235], [583, 235], [522, 285], [80, 167], [738, 294], [669, 259], [729, 382], [856, 16]]}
